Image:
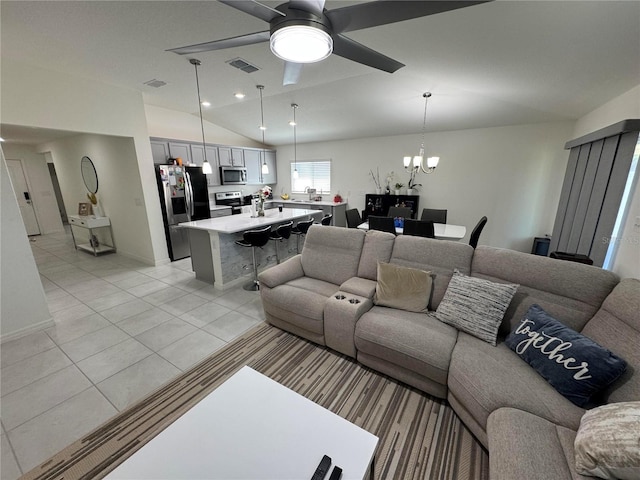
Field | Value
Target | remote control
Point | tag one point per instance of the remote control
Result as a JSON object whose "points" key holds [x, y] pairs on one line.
{"points": [[336, 473], [322, 469]]}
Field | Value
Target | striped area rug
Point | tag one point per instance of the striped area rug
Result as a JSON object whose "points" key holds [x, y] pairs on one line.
{"points": [[420, 436]]}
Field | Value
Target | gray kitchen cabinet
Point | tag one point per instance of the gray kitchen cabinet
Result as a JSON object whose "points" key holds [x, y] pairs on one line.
{"points": [[181, 150], [253, 162], [231, 157], [197, 154], [160, 152], [270, 159]]}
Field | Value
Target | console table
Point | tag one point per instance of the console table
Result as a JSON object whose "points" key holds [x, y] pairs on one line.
{"points": [[91, 223], [379, 204]]}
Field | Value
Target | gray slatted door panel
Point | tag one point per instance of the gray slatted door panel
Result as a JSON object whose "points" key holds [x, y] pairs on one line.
{"points": [[584, 198], [564, 199], [615, 189], [597, 196]]}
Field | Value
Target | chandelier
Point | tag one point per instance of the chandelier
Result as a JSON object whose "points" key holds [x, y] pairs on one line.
{"points": [[416, 164]]}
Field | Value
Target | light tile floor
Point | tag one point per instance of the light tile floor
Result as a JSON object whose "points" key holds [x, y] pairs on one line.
{"points": [[122, 329]]}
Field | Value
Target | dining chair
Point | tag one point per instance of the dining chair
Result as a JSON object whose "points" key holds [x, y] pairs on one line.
{"points": [[353, 218], [418, 228], [384, 224], [403, 212], [434, 214], [255, 239], [477, 230]]}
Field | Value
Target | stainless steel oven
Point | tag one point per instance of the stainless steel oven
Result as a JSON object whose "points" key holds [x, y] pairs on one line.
{"points": [[233, 175]]}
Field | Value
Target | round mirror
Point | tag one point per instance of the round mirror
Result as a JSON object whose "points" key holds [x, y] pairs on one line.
{"points": [[89, 174]]}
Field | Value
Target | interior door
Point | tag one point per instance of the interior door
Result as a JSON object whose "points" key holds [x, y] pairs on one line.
{"points": [[21, 189]]}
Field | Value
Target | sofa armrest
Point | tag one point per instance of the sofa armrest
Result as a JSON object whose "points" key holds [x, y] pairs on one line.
{"points": [[282, 273], [360, 286]]}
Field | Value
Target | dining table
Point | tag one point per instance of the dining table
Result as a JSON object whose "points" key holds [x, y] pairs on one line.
{"points": [[442, 231]]}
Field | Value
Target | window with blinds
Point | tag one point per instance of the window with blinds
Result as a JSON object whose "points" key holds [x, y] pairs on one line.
{"points": [[311, 174]]}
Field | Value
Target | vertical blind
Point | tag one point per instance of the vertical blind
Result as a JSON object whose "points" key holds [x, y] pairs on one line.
{"points": [[594, 183], [311, 174]]}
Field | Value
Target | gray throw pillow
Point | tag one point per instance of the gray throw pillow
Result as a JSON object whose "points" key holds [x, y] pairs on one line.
{"points": [[475, 306]]}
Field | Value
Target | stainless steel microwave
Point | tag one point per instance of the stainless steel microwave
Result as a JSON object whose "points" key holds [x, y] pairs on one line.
{"points": [[233, 175]]}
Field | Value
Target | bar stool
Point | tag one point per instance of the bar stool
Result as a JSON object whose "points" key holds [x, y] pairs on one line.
{"points": [[283, 232], [326, 220], [301, 230], [253, 239]]}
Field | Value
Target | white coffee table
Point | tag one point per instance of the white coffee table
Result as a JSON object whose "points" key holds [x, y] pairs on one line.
{"points": [[252, 428]]}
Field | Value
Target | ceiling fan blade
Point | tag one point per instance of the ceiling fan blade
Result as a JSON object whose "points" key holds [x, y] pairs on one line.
{"points": [[239, 41], [313, 6], [347, 48], [382, 12], [255, 9], [292, 73]]}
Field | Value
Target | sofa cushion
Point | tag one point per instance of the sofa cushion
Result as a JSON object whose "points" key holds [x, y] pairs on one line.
{"points": [[568, 290], [440, 257], [573, 364], [331, 253], [377, 248], [617, 326], [403, 287], [483, 378], [608, 442], [525, 446], [298, 303], [415, 341], [475, 305]]}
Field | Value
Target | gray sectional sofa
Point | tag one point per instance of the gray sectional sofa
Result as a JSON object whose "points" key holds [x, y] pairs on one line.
{"points": [[326, 295]]}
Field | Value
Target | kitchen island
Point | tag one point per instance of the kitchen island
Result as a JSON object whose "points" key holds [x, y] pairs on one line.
{"points": [[337, 209], [216, 258]]}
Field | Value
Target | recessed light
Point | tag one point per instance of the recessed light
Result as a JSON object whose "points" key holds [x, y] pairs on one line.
{"points": [[262, 127], [206, 104], [239, 95], [292, 123], [1, 139]]}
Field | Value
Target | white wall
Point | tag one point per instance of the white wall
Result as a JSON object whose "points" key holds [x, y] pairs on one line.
{"points": [[40, 186], [165, 123], [626, 106], [119, 186], [513, 175], [23, 306], [35, 97]]}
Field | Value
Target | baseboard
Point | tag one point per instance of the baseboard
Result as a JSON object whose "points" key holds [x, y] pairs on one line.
{"points": [[23, 332]]}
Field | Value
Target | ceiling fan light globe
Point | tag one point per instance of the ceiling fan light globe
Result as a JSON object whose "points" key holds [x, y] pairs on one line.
{"points": [[301, 44]]}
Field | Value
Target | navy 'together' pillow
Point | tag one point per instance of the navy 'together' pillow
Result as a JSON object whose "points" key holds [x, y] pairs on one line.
{"points": [[573, 364]]}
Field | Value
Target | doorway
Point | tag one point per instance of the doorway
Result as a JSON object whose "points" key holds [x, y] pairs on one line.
{"points": [[21, 189], [58, 193]]}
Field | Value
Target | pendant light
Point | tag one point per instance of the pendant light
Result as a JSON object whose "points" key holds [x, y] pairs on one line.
{"points": [[206, 166], [418, 160], [264, 168], [294, 124]]}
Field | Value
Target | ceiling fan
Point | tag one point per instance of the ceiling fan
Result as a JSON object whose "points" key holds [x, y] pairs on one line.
{"points": [[303, 31]]}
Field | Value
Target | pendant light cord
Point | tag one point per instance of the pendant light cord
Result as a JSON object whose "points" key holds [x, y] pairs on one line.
{"points": [[426, 96], [195, 63], [262, 127]]}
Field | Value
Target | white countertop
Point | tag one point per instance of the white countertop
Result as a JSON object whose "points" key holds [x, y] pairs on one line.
{"points": [[305, 202], [244, 222], [219, 207]]}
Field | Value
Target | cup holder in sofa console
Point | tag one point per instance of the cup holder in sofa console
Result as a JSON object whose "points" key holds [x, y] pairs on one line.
{"points": [[340, 297], [354, 300]]}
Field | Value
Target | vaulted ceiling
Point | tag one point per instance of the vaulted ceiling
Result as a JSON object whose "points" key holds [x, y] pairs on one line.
{"points": [[493, 64]]}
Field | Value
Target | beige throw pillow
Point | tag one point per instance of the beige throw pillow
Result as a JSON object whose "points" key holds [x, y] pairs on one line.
{"points": [[403, 287], [607, 444]]}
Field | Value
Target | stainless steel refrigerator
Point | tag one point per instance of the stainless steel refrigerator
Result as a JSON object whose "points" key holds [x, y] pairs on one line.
{"points": [[184, 197]]}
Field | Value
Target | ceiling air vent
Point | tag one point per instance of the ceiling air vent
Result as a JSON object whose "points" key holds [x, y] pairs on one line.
{"points": [[155, 83], [243, 65]]}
